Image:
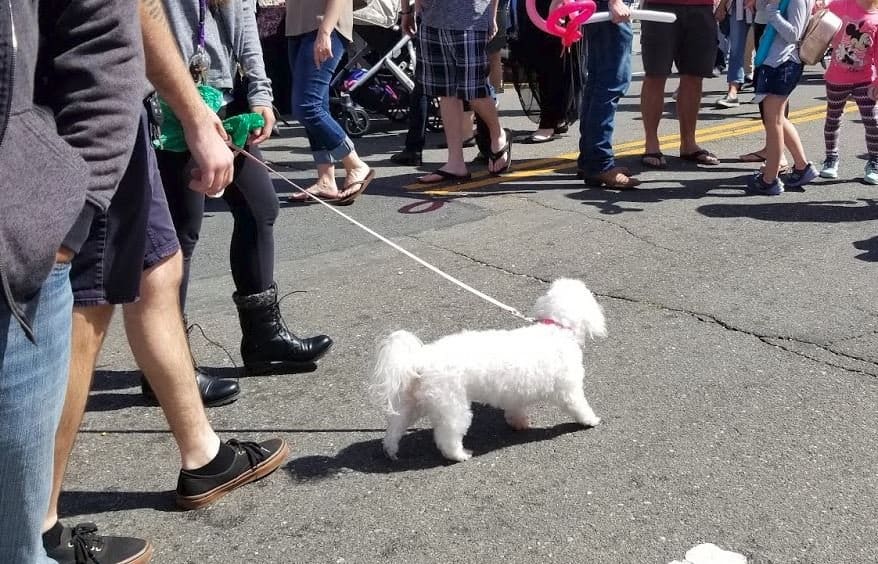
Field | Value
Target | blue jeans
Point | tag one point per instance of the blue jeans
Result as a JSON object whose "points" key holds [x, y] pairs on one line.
{"points": [[310, 98], [737, 44], [609, 74], [33, 382]]}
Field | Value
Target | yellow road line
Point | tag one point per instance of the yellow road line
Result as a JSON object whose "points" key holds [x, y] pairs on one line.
{"points": [[551, 165]]}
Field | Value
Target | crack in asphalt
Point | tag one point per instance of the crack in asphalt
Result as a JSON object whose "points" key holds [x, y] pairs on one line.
{"points": [[601, 219], [703, 317]]}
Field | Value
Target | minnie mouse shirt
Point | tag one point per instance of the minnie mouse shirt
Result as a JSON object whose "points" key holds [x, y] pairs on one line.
{"points": [[853, 48]]}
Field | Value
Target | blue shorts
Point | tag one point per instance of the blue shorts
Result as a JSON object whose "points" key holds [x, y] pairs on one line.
{"points": [[134, 234], [777, 81]]}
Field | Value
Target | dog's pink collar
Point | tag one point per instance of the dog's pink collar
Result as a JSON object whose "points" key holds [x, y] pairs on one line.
{"points": [[548, 321]]}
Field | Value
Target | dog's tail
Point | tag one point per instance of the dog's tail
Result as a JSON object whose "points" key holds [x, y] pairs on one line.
{"points": [[394, 369]]}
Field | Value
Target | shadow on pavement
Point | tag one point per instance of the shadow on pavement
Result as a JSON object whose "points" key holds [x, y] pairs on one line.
{"points": [[871, 248], [75, 503], [417, 451], [832, 211]]}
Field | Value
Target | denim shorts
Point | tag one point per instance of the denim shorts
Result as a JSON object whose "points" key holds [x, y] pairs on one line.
{"points": [[453, 62], [134, 234], [779, 81]]}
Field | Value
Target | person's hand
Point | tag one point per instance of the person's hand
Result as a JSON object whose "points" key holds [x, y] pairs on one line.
{"points": [[214, 162], [872, 91], [322, 48], [257, 136], [750, 4], [619, 12], [409, 24]]}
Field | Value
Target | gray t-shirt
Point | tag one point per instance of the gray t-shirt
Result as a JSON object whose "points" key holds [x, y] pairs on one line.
{"points": [[456, 14]]}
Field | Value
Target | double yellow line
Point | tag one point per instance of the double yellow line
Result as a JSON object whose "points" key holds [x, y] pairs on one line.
{"points": [[566, 161]]}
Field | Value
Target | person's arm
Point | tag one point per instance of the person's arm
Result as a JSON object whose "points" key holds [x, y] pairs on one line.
{"points": [[259, 94], [323, 43], [408, 21], [791, 27], [204, 133]]}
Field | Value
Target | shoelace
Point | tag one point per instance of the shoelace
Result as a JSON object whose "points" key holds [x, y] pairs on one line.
{"points": [[85, 541], [254, 451]]}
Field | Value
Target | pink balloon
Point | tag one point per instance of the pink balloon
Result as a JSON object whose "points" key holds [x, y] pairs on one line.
{"points": [[577, 12]]}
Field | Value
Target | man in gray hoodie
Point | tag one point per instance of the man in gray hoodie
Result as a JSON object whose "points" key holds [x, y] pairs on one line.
{"points": [[58, 168]]}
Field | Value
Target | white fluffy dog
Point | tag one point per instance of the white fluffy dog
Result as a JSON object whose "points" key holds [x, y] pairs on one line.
{"points": [[509, 370]]}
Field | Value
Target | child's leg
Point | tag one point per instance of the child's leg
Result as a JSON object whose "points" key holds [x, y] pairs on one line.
{"points": [[867, 112], [792, 142], [773, 106], [836, 97]]}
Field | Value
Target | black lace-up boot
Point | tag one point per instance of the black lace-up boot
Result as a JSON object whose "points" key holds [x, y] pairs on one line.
{"points": [[267, 346]]}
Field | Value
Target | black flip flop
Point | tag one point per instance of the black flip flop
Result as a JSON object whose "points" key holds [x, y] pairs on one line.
{"points": [[445, 176], [660, 157], [702, 157], [506, 151]]}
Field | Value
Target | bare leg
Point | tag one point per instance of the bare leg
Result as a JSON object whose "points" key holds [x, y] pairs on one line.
{"points": [[486, 110], [774, 136], [89, 329], [449, 427], [517, 419], [158, 340], [652, 104], [793, 142], [495, 73], [451, 109], [397, 425], [688, 106]]}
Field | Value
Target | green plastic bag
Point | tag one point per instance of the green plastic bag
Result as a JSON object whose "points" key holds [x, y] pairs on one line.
{"points": [[238, 127]]}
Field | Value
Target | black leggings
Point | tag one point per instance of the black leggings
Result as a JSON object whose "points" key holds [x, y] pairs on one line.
{"points": [[254, 206]]}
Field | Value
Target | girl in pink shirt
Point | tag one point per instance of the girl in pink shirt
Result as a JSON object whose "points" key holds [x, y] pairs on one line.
{"points": [[850, 73]]}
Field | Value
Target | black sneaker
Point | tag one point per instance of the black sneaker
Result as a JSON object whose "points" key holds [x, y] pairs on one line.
{"points": [[83, 545], [251, 461]]}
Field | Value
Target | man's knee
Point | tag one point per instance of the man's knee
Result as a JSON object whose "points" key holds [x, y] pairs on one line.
{"points": [[164, 276]]}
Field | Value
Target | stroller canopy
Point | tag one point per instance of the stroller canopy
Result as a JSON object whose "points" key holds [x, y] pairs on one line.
{"points": [[376, 12]]}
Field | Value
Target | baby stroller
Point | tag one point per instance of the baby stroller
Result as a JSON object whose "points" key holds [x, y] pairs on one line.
{"points": [[378, 74]]}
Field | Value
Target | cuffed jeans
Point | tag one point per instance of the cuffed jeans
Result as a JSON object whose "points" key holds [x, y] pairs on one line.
{"points": [[33, 383], [310, 97], [609, 74], [737, 45]]}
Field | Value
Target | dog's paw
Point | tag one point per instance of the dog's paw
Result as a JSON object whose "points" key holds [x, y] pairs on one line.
{"points": [[461, 456], [593, 422], [391, 453]]}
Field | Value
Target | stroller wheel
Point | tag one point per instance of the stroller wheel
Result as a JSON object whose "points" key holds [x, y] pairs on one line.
{"points": [[434, 117], [355, 122]]}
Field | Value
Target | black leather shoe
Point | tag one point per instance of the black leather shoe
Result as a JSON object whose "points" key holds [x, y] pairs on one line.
{"points": [[267, 345], [214, 391], [406, 157]]}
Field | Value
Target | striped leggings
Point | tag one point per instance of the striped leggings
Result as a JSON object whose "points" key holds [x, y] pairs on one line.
{"points": [[837, 96]]}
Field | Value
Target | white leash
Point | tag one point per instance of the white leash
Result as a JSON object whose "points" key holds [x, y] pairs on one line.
{"points": [[383, 239]]}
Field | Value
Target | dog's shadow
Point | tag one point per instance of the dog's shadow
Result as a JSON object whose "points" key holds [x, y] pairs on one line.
{"points": [[417, 451]]}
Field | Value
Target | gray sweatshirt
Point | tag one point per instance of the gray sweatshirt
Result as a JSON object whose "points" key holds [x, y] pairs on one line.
{"points": [[790, 28], [231, 39]]}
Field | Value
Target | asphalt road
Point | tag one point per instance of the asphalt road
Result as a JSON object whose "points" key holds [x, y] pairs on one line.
{"points": [[737, 385]]}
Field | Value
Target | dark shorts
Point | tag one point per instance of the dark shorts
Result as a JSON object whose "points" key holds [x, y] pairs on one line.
{"points": [[499, 41], [689, 43], [453, 62], [134, 234], [779, 81]]}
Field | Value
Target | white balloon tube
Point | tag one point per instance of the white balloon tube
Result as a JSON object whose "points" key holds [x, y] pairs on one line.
{"points": [[642, 15]]}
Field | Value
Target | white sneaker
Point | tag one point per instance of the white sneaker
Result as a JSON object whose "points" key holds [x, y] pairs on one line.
{"points": [[830, 168]]}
